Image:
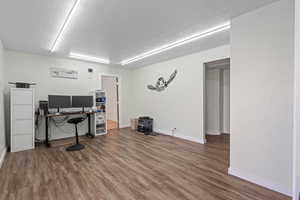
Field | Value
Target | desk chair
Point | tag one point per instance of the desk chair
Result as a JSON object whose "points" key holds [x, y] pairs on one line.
{"points": [[76, 146]]}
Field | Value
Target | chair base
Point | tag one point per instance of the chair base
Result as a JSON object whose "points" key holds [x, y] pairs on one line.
{"points": [[75, 147]]}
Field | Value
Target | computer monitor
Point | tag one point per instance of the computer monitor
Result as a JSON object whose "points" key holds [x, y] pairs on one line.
{"points": [[59, 101], [82, 101]]}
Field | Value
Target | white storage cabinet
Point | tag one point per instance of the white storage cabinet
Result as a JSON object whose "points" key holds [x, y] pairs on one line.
{"points": [[22, 119]]}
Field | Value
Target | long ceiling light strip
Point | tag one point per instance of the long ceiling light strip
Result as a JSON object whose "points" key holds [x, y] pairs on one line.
{"points": [[177, 43], [65, 24], [88, 58]]}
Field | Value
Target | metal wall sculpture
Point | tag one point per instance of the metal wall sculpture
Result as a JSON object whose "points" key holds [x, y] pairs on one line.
{"points": [[161, 83]]}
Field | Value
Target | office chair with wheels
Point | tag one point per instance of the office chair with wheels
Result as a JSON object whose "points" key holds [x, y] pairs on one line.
{"points": [[76, 146]]}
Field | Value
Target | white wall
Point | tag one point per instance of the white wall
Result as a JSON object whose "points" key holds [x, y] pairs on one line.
{"points": [[2, 123], [109, 84], [296, 138], [262, 96], [181, 104], [213, 101], [34, 68], [226, 101]]}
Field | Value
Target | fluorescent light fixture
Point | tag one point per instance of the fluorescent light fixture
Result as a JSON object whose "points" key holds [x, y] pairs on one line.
{"points": [[89, 58], [177, 43], [63, 28]]}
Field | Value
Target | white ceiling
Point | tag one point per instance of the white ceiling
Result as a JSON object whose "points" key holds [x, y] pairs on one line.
{"points": [[116, 29]]}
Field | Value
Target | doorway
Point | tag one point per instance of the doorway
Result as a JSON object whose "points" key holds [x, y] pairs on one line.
{"points": [[217, 104], [110, 84]]}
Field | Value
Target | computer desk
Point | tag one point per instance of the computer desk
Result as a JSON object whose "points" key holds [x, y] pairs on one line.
{"points": [[51, 115]]}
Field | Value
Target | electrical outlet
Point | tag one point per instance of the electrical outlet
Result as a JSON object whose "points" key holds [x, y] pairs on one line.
{"points": [[173, 131]]}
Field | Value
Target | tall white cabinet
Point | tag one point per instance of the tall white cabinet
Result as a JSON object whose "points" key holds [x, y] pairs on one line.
{"points": [[22, 119]]}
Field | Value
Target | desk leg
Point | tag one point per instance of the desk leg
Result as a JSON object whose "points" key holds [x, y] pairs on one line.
{"points": [[89, 133], [46, 131]]}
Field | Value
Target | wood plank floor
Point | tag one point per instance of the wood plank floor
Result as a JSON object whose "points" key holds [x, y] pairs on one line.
{"points": [[126, 165]]}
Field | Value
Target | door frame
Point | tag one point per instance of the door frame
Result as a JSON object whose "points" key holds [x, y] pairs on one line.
{"points": [[218, 62], [101, 75]]}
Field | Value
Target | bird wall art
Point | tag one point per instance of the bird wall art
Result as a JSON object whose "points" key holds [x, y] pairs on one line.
{"points": [[161, 83]]}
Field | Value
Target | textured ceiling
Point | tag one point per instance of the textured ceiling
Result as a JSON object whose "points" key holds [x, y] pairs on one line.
{"points": [[116, 29]]}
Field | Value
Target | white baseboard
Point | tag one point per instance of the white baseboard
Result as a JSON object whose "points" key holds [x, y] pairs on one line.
{"points": [[124, 125], [2, 155], [213, 133], [260, 181], [185, 137]]}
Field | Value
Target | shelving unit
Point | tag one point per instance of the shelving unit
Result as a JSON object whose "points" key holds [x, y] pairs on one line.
{"points": [[100, 116]]}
